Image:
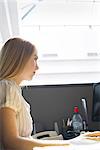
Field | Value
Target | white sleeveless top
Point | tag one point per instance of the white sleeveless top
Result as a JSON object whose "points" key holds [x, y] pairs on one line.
{"points": [[10, 96]]}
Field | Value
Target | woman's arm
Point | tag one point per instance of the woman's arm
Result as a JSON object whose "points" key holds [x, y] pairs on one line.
{"points": [[10, 137]]}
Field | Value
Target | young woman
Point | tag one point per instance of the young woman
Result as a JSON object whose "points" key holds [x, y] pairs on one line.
{"points": [[18, 62]]}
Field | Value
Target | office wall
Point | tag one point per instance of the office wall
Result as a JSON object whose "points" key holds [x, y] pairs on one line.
{"points": [[53, 103]]}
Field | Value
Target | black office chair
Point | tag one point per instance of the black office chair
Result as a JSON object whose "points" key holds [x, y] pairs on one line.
{"points": [[96, 102]]}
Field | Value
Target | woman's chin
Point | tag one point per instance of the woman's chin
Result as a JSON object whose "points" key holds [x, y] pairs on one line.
{"points": [[28, 78], [31, 77]]}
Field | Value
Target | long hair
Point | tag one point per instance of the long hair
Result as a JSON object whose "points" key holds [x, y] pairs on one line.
{"points": [[13, 56]]}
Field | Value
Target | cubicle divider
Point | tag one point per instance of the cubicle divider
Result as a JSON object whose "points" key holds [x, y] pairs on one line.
{"points": [[55, 103]]}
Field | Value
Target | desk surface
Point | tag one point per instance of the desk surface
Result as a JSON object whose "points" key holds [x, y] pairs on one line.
{"points": [[78, 143]]}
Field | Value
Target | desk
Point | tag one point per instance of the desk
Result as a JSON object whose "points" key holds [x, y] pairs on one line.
{"points": [[78, 143]]}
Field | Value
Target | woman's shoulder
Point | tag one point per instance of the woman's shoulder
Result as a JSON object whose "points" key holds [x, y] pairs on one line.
{"points": [[9, 95], [6, 86], [5, 82], [8, 83]]}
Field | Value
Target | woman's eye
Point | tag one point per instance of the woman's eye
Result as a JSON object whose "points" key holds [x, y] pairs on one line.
{"points": [[34, 59]]}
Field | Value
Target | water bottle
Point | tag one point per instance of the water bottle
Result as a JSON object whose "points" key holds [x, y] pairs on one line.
{"points": [[56, 127], [77, 122], [34, 128]]}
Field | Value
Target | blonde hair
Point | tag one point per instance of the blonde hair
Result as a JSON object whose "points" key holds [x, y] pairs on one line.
{"points": [[13, 56]]}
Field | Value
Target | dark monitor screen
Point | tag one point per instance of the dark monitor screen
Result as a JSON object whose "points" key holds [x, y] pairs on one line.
{"points": [[96, 102]]}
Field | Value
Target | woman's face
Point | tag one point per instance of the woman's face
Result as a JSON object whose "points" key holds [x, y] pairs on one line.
{"points": [[30, 67]]}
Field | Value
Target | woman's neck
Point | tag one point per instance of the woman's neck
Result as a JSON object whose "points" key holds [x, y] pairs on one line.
{"points": [[16, 79]]}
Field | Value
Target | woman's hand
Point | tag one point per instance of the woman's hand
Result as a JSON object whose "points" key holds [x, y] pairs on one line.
{"points": [[94, 138], [93, 134]]}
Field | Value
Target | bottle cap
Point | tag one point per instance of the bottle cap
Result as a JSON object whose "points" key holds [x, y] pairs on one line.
{"points": [[76, 110]]}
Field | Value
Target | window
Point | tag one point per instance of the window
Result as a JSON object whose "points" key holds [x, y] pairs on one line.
{"points": [[66, 34]]}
